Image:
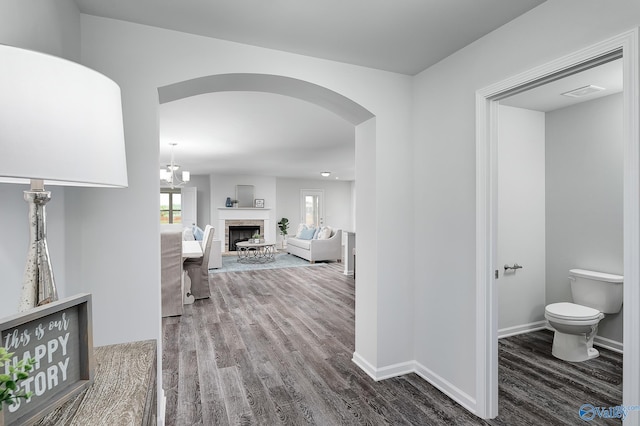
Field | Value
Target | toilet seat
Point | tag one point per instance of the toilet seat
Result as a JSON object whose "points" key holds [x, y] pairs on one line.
{"points": [[572, 312]]}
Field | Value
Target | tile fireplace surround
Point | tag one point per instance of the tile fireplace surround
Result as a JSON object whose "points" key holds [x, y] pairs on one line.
{"points": [[244, 217]]}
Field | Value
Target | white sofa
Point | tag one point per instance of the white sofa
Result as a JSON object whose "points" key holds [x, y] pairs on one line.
{"points": [[317, 250]]}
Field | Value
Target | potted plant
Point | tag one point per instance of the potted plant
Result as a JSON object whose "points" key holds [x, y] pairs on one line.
{"points": [[256, 238], [284, 228], [9, 392]]}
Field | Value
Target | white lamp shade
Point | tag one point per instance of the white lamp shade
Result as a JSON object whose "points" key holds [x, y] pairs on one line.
{"points": [[59, 121]]}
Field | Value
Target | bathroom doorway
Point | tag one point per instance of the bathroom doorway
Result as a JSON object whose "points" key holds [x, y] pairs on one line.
{"points": [[560, 186], [490, 270]]}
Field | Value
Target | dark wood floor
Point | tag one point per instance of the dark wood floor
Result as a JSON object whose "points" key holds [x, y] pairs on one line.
{"points": [[274, 347]]}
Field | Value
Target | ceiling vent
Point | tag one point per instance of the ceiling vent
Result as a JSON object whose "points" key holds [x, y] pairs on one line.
{"points": [[583, 91]]}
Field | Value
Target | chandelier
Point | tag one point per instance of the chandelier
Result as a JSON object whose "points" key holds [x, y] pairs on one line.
{"points": [[169, 175]]}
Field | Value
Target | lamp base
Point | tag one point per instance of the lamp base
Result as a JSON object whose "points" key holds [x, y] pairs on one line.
{"points": [[38, 286]]}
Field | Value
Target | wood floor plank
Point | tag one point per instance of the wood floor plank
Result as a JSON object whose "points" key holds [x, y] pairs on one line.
{"points": [[170, 364], [211, 397], [189, 409], [275, 347]]}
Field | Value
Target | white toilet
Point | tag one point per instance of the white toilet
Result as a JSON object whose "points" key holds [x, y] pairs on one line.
{"points": [[576, 324]]}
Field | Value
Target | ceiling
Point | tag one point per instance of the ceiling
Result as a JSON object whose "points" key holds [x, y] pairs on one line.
{"points": [[549, 97], [288, 137], [256, 133]]}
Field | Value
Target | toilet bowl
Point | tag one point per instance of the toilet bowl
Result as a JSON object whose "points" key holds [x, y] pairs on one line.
{"points": [[576, 324], [575, 327]]}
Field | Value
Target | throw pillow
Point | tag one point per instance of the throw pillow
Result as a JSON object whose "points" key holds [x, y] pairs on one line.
{"points": [[198, 233], [300, 228], [307, 233], [325, 233], [187, 234]]}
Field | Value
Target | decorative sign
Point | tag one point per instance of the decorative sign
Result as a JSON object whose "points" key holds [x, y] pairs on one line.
{"points": [[59, 337]]}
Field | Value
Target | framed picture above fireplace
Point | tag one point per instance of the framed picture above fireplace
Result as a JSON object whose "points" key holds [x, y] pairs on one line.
{"points": [[259, 203]]}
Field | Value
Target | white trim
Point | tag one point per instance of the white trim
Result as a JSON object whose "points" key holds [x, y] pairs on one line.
{"points": [[404, 368], [631, 220], [365, 366], [486, 306], [522, 329], [612, 345], [395, 370], [383, 373], [446, 387], [486, 295]]}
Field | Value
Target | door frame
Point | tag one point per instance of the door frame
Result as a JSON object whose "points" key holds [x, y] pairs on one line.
{"points": [[486, 214], [321, 208]]}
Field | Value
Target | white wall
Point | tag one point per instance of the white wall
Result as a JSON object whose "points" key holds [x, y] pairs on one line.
{"points": [[444, 168], [141, 59], [521, 219], [337, 199], [201, 182], [52, 28], [353, 207], [584, 197], [223, 186], [429, 183], [282, 196], [49, 27]]}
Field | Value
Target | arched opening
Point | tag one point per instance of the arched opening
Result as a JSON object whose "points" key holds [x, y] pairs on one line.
{"points": [[365, 138], [287, 86]]}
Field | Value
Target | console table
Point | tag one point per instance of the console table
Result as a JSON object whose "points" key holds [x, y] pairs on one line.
{"points": [[123, 392]]}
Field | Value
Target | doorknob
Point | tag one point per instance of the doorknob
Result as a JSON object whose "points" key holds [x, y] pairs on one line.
{"points": [[514, 267]]}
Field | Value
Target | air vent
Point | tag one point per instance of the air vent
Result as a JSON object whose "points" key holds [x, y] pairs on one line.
{"points": [[583, 91]]}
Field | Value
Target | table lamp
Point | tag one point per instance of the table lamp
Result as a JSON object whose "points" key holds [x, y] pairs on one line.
{"points": [[60, 124]]}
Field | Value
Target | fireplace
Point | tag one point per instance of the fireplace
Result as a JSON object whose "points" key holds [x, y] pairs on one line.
{"points": [[242, 230], [257, 218], [241, 233]]}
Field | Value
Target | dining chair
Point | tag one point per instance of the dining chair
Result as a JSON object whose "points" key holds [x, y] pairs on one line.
{"points": [[198, 268]]}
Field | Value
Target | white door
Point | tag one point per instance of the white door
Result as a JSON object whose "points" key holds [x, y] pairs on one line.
{"points": [[312, 207], [189, 205]]}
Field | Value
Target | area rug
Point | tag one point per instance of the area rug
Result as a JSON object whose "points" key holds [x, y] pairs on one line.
{"points": [[283, 260]]}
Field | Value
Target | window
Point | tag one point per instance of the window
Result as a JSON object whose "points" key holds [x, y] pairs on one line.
{"points": [[312, 207], [170, 206]]}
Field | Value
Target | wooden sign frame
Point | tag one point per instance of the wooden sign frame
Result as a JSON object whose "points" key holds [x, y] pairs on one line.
{"points": [[60, 335]]}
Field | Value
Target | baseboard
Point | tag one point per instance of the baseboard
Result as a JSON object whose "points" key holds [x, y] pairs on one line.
{"points": [[612, 345], [444, 386], [401, 369], [387, 372], [364, 366], [522, 329]]}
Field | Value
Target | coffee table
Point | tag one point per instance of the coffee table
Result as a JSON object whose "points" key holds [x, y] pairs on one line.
{"points": [[256, 252]]}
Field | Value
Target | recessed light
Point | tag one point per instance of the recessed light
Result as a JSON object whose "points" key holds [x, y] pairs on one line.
{"points": [[583, 91], [325, 174]]}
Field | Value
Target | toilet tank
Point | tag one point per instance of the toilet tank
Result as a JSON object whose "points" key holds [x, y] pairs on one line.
{"points": [[597, 290]]}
